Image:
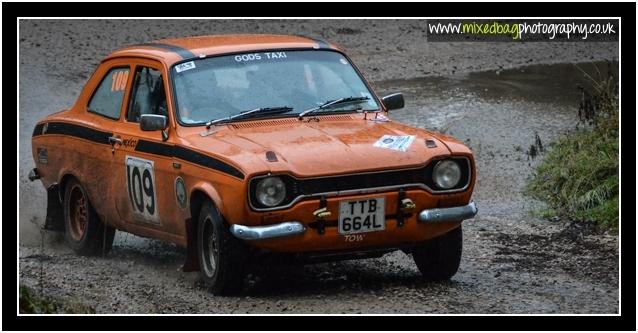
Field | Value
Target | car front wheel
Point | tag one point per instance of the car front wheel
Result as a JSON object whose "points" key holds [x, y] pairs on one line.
{"points": [[84, 232], [221, 255], [438, 258]]}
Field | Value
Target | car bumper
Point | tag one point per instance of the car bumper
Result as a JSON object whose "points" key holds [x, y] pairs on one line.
{"points": [[34, 174], [433, 215], [267, 232], [438, 215]]}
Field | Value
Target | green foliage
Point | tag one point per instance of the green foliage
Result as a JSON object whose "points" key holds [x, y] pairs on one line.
{"points": [[30, 303], [545, 213], [579, 177]]}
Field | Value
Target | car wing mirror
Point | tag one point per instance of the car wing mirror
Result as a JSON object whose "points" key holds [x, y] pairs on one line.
{"points": [[393, 101], [154, 122]]}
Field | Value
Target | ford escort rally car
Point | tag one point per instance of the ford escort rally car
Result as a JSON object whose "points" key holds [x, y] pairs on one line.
{"points": [[246, 147]]}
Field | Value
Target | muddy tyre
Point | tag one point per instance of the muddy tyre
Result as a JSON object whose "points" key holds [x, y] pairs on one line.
{"points": [[438, 259], [83, 230], [221, 256]]}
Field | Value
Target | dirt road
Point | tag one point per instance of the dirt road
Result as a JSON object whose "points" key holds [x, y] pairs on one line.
{"points": [[512, 262]]}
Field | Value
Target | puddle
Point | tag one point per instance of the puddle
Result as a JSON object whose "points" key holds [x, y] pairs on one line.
{"points": [[435, 102]]}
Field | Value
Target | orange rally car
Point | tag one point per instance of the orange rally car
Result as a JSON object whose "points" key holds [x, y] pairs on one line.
{"points": [[246, 147]]}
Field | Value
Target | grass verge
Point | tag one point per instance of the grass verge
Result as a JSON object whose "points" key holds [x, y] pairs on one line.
{"points": [[30, 302], [579, 177]]}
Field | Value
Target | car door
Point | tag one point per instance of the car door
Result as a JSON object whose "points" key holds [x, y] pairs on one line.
{"points": [[144, 174], [103, 108]]}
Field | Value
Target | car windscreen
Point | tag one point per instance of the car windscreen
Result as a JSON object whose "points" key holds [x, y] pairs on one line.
{"points": [[218, 87]]}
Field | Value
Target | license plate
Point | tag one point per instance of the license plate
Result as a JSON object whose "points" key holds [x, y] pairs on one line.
{"points": [[365, 215]]}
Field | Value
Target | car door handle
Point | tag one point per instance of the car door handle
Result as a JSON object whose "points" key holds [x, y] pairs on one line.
{"points": [[115, 139]]}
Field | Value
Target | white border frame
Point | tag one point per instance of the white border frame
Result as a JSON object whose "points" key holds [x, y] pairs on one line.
{"points": [[323, 18]]}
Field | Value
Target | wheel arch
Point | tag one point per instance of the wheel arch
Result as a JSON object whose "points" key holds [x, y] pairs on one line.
{"points": [[64, 179], [199, 193]]}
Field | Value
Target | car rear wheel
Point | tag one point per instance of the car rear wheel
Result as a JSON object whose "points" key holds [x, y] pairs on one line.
{"points": [[438, 258], [84, 232], [221, 256]]}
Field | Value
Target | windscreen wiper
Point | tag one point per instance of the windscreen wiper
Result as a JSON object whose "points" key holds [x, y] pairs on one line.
{"points": [[341, 100], [250, 114]]}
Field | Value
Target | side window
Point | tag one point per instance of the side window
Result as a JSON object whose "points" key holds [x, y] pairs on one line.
{"points": [[148, 96], [107, 99]]}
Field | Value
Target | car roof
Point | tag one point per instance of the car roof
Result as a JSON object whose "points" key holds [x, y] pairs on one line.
{"points": [[171, 51]]}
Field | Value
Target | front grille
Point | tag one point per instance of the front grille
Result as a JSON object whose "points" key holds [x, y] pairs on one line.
{"points": [[297, 189], [361, 181]]}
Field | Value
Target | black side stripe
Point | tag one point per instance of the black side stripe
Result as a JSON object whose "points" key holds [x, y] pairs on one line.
{"points": [[143, 146], [38, 129], [184, 53], [74, 130], [188, 155]]}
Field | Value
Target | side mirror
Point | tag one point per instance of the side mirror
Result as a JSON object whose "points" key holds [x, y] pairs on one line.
{"points": [[152, 122], [393, 101]]}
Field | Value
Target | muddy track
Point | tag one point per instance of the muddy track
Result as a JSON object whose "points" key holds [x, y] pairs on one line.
{"points": [[512, 262]]}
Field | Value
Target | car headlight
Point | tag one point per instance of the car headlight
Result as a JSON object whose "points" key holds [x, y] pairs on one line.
{"points": [[270, 191], [446, 174]]}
